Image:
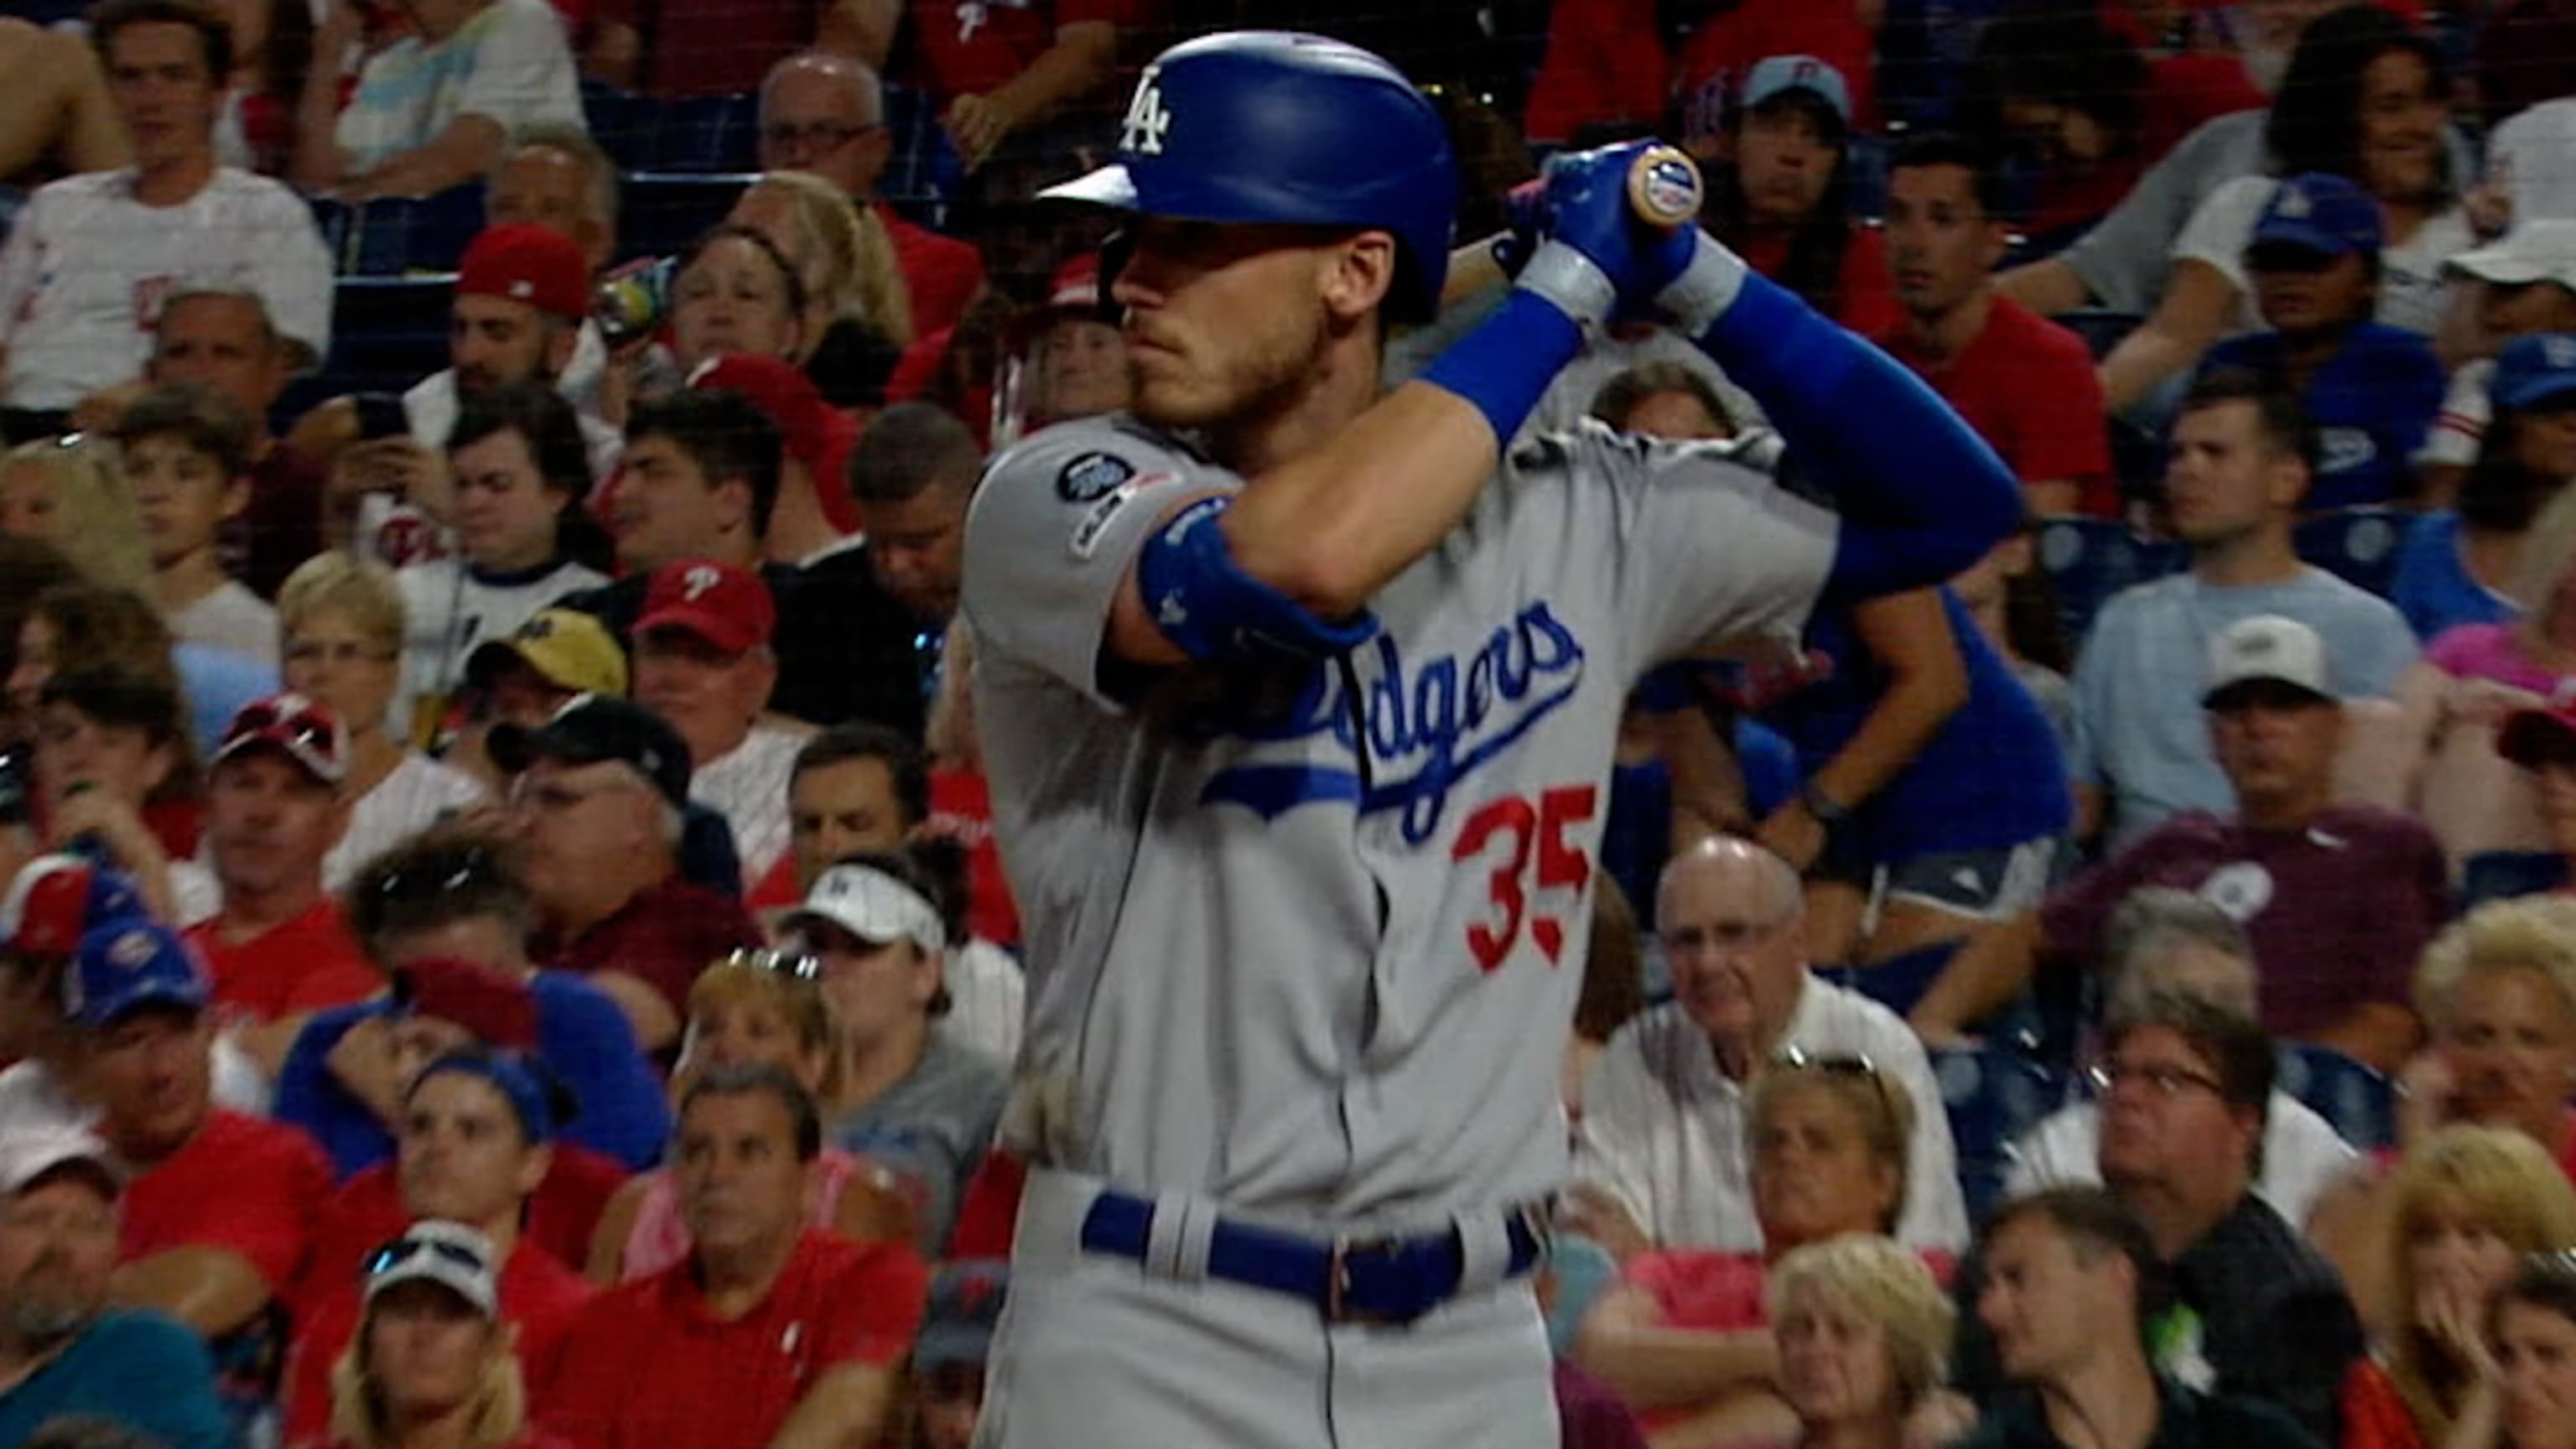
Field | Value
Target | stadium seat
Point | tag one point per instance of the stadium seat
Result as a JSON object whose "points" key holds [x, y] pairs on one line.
{"points": [[1900, 981], [1993, 1094], [2358, 545], [386, 334], [701, 133], [661, 213], [2360, 1101], [2090, 559], [922, 170], [2501, 875], [393, 236]]}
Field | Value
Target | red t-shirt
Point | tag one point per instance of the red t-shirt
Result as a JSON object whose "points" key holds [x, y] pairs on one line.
{"points": [[242, 1183], [1864, 294], [940, 273], [369, 1213], [308, 963], [967, 47], [2338, 912], [646, 1366], [539, 1295], [1607, 62], [2028, 387], [961, 804], [710, 47], [664, 938]]}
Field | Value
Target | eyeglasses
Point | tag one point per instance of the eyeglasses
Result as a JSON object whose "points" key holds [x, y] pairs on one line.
{"points": [[402, 1250], [794, 965], [821, 135], [314, 652], [2162, 1079]]}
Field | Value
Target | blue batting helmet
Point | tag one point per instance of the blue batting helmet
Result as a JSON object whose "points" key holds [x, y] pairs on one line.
{"points": [[1268, 126]]}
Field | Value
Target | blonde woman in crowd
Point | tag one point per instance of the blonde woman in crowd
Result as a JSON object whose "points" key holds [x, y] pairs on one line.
{"points": [[2497, 990], [432, 1365], [844, 254], [341, 632], [2464, 1209], [1864, 1331], [754, 1008], [70, 493]]}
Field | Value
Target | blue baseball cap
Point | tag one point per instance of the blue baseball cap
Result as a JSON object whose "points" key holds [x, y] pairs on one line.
{"points": [[543, 1104], [125, 965], [966, 1301], [2320, 213], [1778, 75], [2534, 370], [57, 899]]}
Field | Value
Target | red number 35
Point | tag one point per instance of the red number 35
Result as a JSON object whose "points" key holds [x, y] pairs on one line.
{"points": [[1541, 827]]}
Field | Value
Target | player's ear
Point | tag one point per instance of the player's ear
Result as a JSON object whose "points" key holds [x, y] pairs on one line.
{"points": [[1358, 272]]}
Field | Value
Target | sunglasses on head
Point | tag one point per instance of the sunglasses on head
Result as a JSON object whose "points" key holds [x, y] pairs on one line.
{"points": [[303, 727], [794, 965], [402, 1250], [1849, 1065], [440, 874]]}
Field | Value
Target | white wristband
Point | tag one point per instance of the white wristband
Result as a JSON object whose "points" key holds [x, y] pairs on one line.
{"points": [[1572, 282], [1705, 289]]}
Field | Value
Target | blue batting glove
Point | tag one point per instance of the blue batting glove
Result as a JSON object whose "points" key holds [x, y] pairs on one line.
{"points": [[1586, 207]]}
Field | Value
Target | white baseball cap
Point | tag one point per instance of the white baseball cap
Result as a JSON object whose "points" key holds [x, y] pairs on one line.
{"points": [[2536, 251], [2266, 647], [873, 906], [28, 1156], [451, 1255]]}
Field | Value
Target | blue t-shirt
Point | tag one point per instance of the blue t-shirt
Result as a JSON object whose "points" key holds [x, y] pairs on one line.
{"points": [[1637, 834], [2372, 402], [1990, 778], [135, 1369], [581, 1036], [2140, 732], [219, 683], [2434, 588]]}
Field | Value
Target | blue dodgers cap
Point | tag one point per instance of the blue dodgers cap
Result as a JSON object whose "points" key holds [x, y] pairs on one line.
{"points": [[57, 899], [1776, 76], [2319, 213], [2534, 370], [125, 965], [1266, 126], [966, 1301], [541, 1102]]}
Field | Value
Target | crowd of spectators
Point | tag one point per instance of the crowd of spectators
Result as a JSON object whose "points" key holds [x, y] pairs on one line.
{"points": [[504, 942]]}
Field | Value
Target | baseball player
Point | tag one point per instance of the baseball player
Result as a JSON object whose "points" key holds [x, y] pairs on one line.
{"points": [[1298, 705]]}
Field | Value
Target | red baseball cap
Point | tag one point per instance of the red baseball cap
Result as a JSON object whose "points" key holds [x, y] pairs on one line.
{"points": [[525, 262], [301, 729], [495, 1009], [726, 606], [814, 432]]}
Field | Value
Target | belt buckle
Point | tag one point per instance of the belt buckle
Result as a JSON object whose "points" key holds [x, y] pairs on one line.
{"points": [[1337, 1281]]}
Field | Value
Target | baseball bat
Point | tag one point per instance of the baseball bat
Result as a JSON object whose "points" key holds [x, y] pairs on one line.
{"points": [[1664, 190]]}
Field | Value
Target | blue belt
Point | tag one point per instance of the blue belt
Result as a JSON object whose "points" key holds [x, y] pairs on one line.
{"points": [[1349, 1280]]}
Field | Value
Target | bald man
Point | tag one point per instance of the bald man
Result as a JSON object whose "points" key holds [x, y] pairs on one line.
{"points": [[1661, 1160]]}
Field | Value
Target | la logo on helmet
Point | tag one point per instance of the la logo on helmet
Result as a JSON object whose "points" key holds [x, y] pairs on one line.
{"points": [[1147, 120]]}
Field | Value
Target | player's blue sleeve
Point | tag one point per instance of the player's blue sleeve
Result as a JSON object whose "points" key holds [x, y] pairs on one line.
{"points": [[1921, 496]]}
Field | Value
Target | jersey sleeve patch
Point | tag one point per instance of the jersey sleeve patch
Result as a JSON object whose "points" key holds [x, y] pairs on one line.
{"points": [[1089, 477]]}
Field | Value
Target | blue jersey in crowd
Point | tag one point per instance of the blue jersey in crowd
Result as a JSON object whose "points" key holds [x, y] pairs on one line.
{"points": [[1992, 777], [134, 1369], [2434, 588], [2372, 403]]}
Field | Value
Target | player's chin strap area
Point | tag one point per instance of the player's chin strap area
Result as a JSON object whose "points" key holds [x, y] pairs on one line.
{"points": [[1392, 1279]]}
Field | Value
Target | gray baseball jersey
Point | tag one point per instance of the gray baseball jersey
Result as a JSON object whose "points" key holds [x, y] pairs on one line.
{"points": [[1306, 939]]}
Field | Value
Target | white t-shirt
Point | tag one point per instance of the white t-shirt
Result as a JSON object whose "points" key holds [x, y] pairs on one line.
{"points": [[2302, 1155], [2461, 425], [232, 617], [1663, 1128], [2410, 276], [510, 64], [987, 999], [87, 268], [747, 785], [32, 1098], [2534, 155], [418, 793], [450, 607]]}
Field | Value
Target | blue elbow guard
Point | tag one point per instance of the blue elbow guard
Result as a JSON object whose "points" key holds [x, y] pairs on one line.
{"points": [[1213, 611]]}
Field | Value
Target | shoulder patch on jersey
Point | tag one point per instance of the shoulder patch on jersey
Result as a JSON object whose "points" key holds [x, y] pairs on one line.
{"points": [[1091, 476], [1086, 534]]}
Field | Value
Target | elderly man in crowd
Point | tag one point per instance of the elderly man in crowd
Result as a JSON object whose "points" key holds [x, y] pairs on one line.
{"points": [[1660, 1159]]}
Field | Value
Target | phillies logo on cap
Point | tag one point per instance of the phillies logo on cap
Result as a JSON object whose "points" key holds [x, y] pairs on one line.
{"points": [[2559, 349], [131, 951], [698, 581], [2294, 203]]}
